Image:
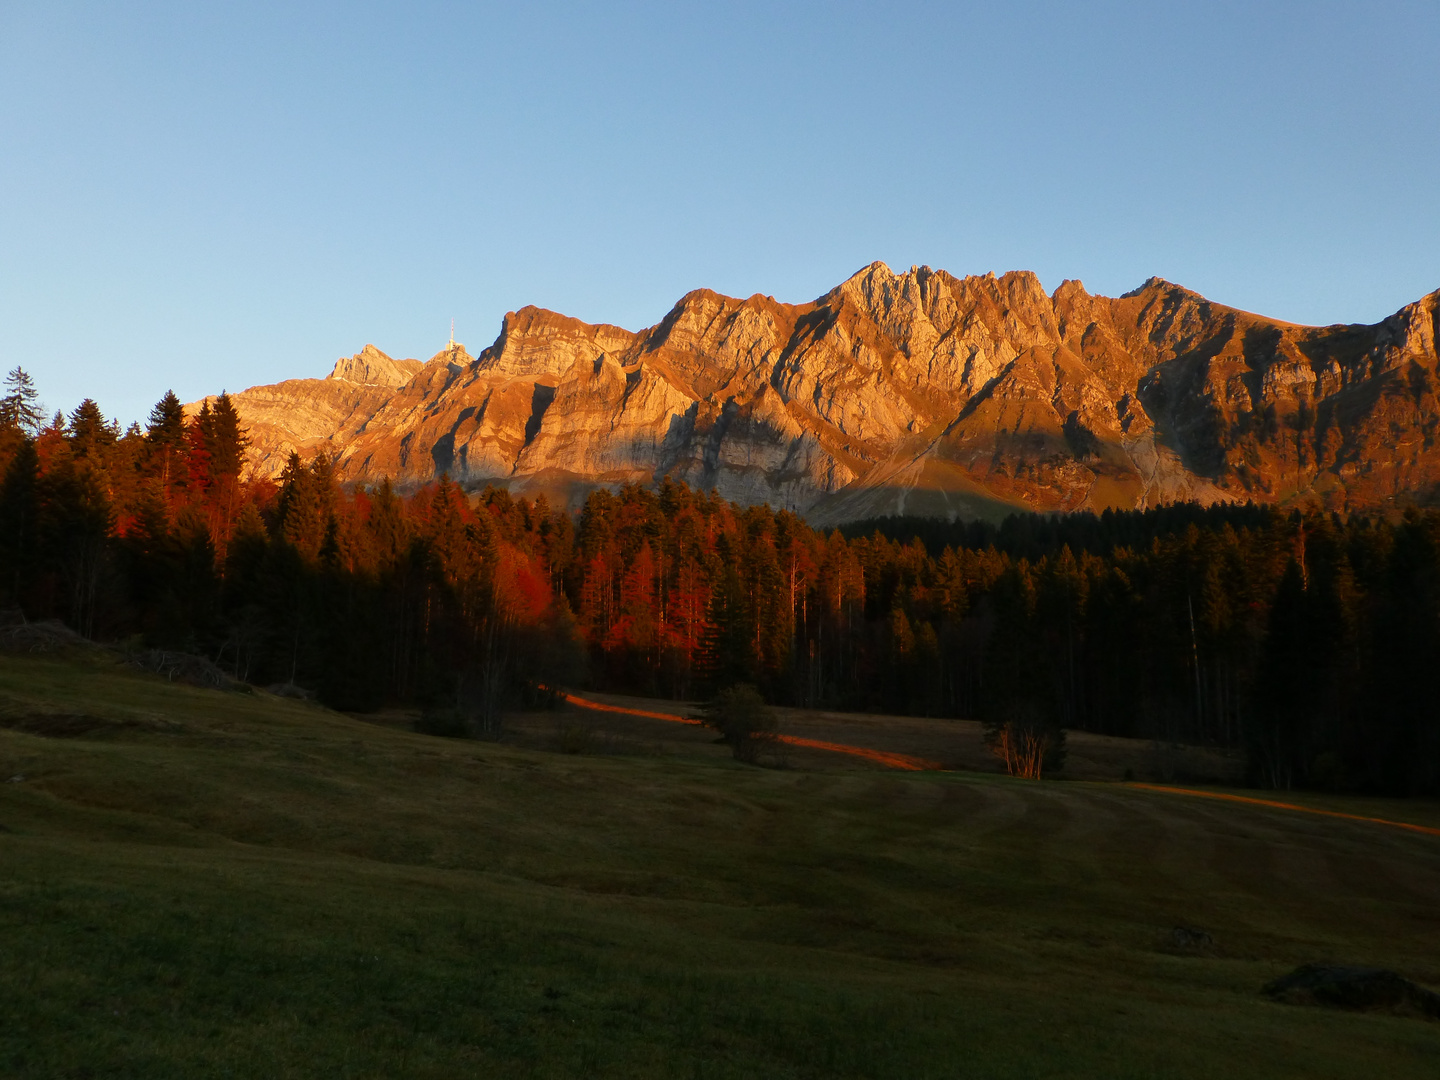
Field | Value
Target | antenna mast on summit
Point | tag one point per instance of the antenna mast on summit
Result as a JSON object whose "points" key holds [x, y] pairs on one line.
{"points": [[452, 335]]}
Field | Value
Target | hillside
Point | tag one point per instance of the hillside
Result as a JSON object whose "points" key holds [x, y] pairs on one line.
{"points": [[917, 393], [206, 883]]}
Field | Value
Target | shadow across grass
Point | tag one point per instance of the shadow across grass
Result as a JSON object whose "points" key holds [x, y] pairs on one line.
{"points": [[261, 887]]}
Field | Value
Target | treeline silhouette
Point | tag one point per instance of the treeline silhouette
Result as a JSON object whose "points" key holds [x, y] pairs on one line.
{"points": [[1307, 640], [1034, 536]]}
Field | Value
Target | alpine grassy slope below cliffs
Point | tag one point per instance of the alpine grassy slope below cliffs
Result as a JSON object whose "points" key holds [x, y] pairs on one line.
{"points": [[917, 393]]}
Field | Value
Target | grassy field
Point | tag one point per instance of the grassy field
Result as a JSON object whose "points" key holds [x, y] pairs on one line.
{"points": [[197, 883], [952, 744]]}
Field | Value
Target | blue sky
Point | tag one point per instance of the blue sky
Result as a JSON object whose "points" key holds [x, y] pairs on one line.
{"points": [[212, 196]]}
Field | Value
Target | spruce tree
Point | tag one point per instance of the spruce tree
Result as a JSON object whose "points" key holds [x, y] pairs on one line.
{"points": [[307, 502], [197, 449], [166, 425], [20, 407], [1402, 711], [386, 526], [165, 436], [1293, 679], [76, 525], [19, 510], [90, 435], [226, 440]]}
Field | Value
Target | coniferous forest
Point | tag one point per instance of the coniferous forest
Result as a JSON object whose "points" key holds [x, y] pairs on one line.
{"points": [[1308, 640]]}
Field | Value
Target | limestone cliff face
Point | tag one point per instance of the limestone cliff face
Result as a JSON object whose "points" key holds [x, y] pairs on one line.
{"points": [[916, 393]]}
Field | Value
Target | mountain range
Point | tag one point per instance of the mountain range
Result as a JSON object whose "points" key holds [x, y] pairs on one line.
{"points": [[918, 393]]}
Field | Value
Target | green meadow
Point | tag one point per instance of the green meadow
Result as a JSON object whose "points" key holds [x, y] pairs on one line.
{"points": [[196, 883]]}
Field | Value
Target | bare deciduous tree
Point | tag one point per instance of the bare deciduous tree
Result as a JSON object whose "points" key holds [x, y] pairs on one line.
{"points": [[1026, 740]]}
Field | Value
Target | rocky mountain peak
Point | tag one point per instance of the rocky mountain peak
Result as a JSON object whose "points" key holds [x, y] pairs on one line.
{"points": [[538, 343], [371, 367], [917, 392]]}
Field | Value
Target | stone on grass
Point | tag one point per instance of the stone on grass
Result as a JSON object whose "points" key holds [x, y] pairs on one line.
{"points": [[1362, 989]]}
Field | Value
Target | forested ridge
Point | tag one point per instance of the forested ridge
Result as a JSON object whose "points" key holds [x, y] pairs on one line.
{"points": [[1307, 639]]}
